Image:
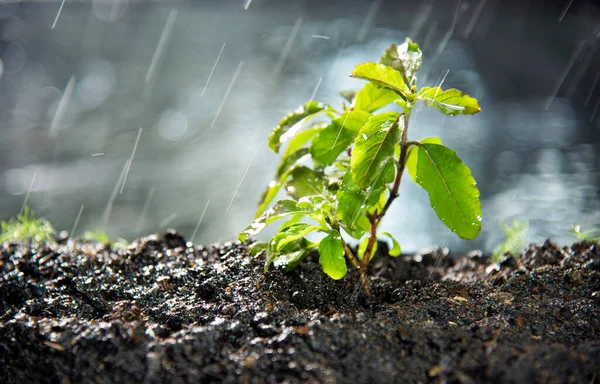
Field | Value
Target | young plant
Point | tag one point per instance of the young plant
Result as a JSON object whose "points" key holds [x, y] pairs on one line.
{"points": [[591, 235], [358, 158], [26, 227], [514, 239]]}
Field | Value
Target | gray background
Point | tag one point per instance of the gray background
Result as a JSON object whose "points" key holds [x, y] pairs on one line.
{"points": [[73, 99]]}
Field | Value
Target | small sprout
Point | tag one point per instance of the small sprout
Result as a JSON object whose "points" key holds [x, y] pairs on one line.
{"points": [[591, 235], [27, 227], [103, 238], [342, 176], [514, 239]]}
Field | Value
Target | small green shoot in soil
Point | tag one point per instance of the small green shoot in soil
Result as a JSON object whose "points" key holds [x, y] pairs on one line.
{"points": [[514, 239], [27, 227], [358, 158], [102, 237], [591, 235]]}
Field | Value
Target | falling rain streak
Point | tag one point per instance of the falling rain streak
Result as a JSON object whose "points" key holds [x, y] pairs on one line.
{"points": [[142, 219], [476, 16], [212, 70], [168, 220], [72, 233], [229, 88], [237, 187], [199, 221], [160, 47], [565, 73], [131, 159], [368, 21], [113, 196], [58, 13], [61, 110], [28, 192], [565, 10], [287, 48], [312, 97]]}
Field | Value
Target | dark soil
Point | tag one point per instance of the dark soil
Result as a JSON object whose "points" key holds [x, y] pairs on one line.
{"points": [[165, 311]]}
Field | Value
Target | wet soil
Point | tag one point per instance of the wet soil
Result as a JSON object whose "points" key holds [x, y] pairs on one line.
{"points": [[164, 310]]}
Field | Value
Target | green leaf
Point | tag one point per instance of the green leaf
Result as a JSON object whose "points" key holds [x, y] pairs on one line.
{"points": [[450, 102], [302, 138], [308, 109], [362, 248], [413, 155], [331, 256], [290, 255], [257, 247], [371, 98], [374, 145], [353, 201], [382, 76], [451, 187], [286, 167], [281, 209], [305, 182], [406, 57], [290, 234], [396, 250], [337, 137]]}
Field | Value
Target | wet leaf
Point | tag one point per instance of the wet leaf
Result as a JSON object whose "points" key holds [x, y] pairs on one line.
{"points": [[362, 248], [413, 155], [257, 247], [308, 109], [372, 97], [396, 250], [451, 187], [331, 256], [406, 57], [281, 209], [374, 145], [305, 182], [382, 76], [353, 201], [290, 255], [451, 102], [290, 234], [337, 137], [302, 138]]}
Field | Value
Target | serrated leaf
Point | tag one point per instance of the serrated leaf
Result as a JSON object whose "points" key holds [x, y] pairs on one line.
{"points": [[382, 76], [331, 256], [302, 138], [372, 97], [308, 109], [362, 248], [353, 201], [406, 57], [451, 187], [281, 209], [413, 155], [337, 137], [451, 102], [374, 145], [290, 234], [290, 255], [396, 250], [305, 182]]}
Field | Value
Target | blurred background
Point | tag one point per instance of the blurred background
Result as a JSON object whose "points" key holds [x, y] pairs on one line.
{"points": [[141, 116]]}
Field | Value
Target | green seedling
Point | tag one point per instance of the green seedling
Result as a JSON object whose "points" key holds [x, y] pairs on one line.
{"points": [[102, 237], [358, 157], [27, 227], [591, 235], [514, 239]]}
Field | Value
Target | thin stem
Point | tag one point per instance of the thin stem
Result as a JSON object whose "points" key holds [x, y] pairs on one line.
{"points": [[376, 218]]}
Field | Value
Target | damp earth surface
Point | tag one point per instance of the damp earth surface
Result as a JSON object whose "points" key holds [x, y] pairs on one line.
{"points": [[166, 310]]}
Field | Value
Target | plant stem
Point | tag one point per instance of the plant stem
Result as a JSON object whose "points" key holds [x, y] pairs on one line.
{"points": [[376, 218]]}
